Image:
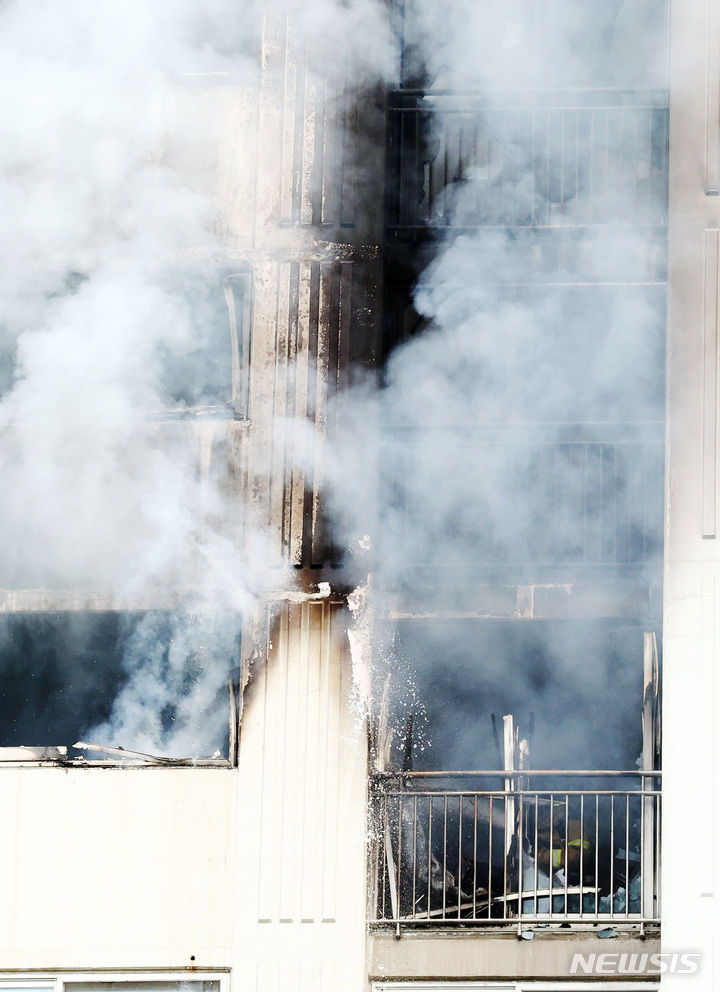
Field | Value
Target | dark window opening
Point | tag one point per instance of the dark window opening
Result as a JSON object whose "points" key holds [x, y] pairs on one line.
{"points": [[573, 687], [25, 307], [154, 682]]}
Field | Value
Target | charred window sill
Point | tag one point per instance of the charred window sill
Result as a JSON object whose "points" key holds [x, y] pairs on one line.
{"points": [[223, 412], [57, 757]]}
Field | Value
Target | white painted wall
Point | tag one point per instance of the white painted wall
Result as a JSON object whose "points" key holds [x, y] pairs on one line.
{"points": [[300, 887], [116, 868], [259, 869], [691, 858]]}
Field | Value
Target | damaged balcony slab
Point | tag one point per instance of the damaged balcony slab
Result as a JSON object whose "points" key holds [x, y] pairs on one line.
{"points": [[87, 601], [150, 759]]}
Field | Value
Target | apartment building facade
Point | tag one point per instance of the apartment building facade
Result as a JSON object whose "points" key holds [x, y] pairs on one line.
{"points": [[485, 826]]}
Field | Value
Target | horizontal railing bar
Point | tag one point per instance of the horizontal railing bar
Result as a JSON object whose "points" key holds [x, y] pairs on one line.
{"points": [[589, 921], [593, 773], [534, 442], [429, 91], [614, 225], [523, 792], [496, 109]]}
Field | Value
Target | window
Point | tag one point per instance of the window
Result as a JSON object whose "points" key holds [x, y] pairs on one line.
{"points": [[77, 982], [154, 682], [205, 357]]}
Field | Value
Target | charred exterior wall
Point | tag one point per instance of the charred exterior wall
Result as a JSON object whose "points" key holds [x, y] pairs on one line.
{"points": [[259, 868]]}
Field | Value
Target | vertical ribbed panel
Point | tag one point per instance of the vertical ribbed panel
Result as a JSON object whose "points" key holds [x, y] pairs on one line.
{"points": [[267, 976], [328, 786], [712, 137], [301, 748], [312, 360], [296, 976], [319, 145], [710, 384], [271, 815]]}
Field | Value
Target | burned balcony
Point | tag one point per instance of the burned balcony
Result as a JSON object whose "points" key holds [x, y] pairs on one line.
{"points": [[498, 849], [594, 507], [544, 841], [558, 120], [527, 161]]}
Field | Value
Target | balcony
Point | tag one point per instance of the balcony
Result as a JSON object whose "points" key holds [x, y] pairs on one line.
{"points": [[535, 849], [534, 159], [595, 504]]}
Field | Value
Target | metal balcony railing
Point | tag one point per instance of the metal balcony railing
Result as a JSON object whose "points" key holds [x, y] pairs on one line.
{"points": [[457, 167], [591, 504], [519, 855]]}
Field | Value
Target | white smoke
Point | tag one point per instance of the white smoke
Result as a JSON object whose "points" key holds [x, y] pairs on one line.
{"points": [[118, 121], [125, 141], [520, 433]]}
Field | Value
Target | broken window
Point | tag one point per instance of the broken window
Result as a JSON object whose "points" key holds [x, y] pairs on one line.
{"points": [[516, 772], [202, 317], [516, 776], [576, 684], [154, 682]]}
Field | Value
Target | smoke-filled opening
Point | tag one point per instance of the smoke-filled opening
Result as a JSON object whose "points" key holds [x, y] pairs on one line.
{"points": [[519, 473], [573, 687], [154, 681], [521, 442]]}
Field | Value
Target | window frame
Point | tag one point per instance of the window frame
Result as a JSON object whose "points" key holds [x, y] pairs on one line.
{"points": [[45, 755], [239, 329], [57, 981]]}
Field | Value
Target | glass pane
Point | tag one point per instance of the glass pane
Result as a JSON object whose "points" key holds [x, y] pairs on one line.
{"points": [[198, 358], [20, 987], [184, 986]]}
